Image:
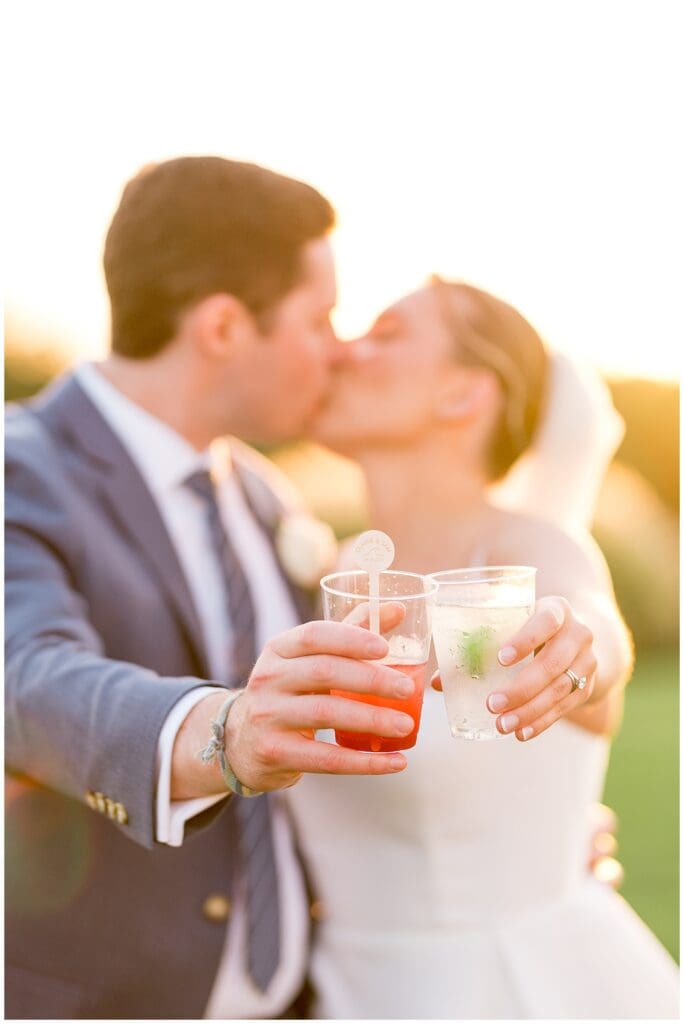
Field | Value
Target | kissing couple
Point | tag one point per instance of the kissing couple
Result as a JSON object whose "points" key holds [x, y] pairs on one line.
{"points": [[149, 617]]}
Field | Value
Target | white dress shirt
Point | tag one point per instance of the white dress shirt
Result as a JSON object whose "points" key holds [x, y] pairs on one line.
{"points": [[164, 460]]}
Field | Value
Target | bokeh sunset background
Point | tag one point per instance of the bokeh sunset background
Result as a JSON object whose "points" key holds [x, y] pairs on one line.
{"points": [[529, 147]]}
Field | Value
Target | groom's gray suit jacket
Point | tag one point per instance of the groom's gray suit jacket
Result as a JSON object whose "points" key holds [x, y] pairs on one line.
{"points": [[102, 639]]}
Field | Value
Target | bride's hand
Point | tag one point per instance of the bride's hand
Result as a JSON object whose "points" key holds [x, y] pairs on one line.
{"points": [[544, 691]]}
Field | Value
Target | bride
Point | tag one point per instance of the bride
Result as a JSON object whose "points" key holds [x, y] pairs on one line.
{"points": [[458, 888]]}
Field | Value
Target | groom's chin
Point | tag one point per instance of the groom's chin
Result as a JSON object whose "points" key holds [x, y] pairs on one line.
{"points": [[317, 431]]}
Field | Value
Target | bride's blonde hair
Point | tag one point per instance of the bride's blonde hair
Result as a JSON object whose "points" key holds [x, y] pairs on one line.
{"points": [[488, 332]]}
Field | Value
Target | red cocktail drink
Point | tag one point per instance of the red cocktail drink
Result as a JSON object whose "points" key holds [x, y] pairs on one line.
{"points": [[410, 705]]}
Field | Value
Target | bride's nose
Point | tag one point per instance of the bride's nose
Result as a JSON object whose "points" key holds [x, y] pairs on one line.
{"points": [[358, 351]]}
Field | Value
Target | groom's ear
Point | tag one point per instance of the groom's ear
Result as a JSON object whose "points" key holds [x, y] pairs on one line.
{"points": [[466, 393], [218, 325]]}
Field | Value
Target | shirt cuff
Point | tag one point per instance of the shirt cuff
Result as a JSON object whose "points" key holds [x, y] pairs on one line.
{"points": [[171, 815]]}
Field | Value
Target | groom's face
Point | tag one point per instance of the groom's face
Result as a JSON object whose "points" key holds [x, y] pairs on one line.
{"points": [[291, 359]]}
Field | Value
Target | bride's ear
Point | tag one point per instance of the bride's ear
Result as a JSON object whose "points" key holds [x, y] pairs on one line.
{"points": [[466, 393]]}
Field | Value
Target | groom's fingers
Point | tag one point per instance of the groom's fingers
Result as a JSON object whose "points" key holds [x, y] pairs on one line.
{"points": [[319, 673], [338, 638], [321, 711], [305, 755], [391, 613]]}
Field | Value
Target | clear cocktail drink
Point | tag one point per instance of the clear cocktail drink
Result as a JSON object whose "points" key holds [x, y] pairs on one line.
{"points": [[477, 612]]}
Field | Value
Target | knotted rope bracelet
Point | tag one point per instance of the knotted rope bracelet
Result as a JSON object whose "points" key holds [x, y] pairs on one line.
{"points": [[215, 749]]}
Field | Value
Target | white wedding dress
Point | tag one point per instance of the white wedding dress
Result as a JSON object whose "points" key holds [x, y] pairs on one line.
{"points": [[459, 888]]}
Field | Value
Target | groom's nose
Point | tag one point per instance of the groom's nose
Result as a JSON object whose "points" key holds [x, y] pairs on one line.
{"points": [[337, 352]]}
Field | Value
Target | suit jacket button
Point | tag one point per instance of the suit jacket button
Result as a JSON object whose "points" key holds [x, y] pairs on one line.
{"points": [[318, 911], [120, 814], [216, 908]]}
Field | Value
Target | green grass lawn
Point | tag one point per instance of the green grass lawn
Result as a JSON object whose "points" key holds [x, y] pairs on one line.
{"points": [[643, 788]]}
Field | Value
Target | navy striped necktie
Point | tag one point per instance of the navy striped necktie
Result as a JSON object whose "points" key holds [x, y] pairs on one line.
{"points": [[253, 813]]}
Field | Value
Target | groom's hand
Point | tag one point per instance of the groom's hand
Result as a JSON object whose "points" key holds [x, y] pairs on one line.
{"points": [[270, 731], [270, 736]]}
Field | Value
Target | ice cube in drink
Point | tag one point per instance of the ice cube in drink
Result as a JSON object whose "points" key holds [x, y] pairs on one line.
{"points": [[467, 641]]}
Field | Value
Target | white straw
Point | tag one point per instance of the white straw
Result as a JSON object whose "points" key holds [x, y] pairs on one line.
{"points": [[374, 552], [374, 594]]}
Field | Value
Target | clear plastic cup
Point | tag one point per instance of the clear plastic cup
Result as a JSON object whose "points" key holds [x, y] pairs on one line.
{"points": [[403, 596], [476, 611]]}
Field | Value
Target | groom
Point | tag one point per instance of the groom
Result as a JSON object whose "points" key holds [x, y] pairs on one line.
{"points": [[143, 585]]}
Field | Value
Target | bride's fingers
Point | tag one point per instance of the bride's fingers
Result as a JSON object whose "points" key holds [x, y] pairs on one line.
{"points": [[436, 681], [530, 682], [556, 701], [549, 616]]}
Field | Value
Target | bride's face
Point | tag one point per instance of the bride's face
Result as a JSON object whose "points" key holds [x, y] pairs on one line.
{"points": [[387, 384]]}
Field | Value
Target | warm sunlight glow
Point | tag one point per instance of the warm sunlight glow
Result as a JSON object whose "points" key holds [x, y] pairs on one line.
{"points": [[527, 147]]}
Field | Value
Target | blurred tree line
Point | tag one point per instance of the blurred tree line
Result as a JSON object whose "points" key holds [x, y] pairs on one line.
{"points": [[637, 515]]}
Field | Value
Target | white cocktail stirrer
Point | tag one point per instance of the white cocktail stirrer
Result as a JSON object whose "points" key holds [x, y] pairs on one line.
{"points": [[374, 552]]}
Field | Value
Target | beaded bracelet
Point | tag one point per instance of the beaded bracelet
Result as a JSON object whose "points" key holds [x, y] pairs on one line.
{"points": [[216, 749]]}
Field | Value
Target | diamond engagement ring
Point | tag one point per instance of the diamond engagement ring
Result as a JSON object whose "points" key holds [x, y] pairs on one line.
{"points": [[578, 682]]}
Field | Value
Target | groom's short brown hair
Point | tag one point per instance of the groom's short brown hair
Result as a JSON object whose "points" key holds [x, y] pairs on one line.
{"points": [[196, 226]]}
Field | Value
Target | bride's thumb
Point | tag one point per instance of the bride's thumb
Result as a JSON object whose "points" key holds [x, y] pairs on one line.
{"points": [[436, 681]]}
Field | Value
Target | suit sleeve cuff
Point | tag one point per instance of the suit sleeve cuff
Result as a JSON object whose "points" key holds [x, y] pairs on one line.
{"points": [[171, 815]]}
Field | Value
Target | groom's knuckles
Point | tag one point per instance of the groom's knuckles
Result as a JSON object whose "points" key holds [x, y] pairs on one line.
{"points": [[265, 672], [312, 637], [261, 712], [321, 669], [313, 712], [269, 750]]}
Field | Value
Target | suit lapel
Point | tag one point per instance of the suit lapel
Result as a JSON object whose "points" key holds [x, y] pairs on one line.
{"points": [[68, 411], [267, 511]]}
